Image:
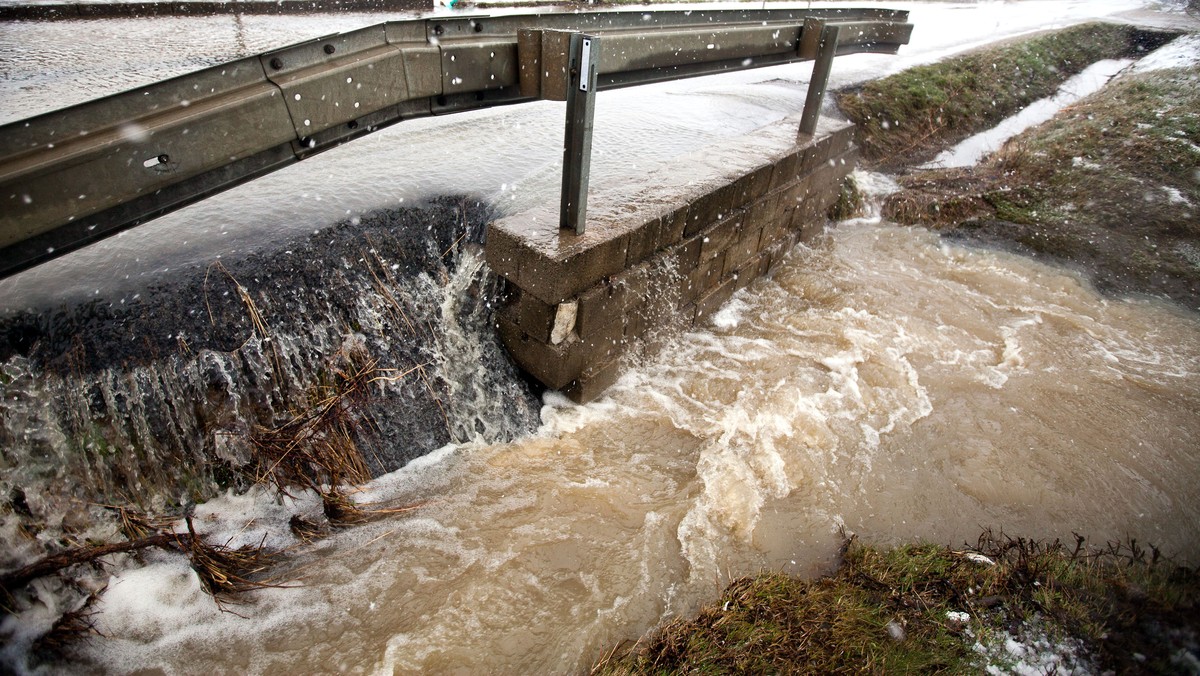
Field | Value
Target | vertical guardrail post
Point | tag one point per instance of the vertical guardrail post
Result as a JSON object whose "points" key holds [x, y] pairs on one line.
{"points": [[820, 78], [577, 144]]}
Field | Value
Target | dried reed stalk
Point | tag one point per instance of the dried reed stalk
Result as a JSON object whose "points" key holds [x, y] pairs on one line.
{"points": [[318, 445], [342, 511], [256, 318], [224, 571]]}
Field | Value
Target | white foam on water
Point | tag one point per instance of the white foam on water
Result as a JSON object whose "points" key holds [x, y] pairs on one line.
{"points": [[256, 517], [159, 598], [729, 315], [883, 381]]}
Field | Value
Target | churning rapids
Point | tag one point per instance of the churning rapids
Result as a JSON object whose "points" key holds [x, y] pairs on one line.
{"points": [[884, 381]]}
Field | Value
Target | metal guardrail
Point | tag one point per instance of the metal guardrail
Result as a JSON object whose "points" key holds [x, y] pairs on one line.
{"points": [[74, 176], [74, 11]]}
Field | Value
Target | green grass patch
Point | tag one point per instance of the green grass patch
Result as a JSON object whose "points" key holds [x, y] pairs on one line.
{"points": [[1111, 184], [910, 116], [1139, 135], [850, 201], [924, 608]]}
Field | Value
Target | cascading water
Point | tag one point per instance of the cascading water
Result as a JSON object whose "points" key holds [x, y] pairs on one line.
{"points": [[883, 381], [154, 399]]}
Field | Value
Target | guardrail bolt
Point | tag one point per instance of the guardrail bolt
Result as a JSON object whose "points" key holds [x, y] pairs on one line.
{"points": [[438, 30], [329, 49], [277, 63]]}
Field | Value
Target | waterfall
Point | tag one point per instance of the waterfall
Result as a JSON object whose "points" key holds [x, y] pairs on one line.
{"points": [[154, 399]]}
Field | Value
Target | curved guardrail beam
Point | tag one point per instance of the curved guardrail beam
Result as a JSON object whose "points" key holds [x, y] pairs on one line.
{"points": [[73, 176]]}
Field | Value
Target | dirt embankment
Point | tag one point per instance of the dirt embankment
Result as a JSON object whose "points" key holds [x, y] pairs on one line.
{"points": [[1006, 605], [1110, 186]]}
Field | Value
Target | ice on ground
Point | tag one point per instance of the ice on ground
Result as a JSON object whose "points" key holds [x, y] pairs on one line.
{"points": [[1175, 197], [1032, 652]]}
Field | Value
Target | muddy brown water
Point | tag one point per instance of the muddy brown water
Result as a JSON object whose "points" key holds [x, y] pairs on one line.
{"points": [[884, 381]]}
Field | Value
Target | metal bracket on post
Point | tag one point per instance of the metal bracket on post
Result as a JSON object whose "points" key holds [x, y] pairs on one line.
{"points": [[577, 144], [820, 77]]}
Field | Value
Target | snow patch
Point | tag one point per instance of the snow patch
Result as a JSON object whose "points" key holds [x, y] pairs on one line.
{"points": [[980, 558], [972, 150], [1182, 52], [1176, 197], [1032, 652]]}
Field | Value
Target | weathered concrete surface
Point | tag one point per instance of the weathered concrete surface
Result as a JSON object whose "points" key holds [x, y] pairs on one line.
{"points": [[666, 254]]}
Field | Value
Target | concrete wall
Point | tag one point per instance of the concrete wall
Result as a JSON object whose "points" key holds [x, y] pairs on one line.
{"points": [[661, 256]]}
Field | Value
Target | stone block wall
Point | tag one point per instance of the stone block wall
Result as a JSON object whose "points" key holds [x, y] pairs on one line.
{"points": [[662, 256]]}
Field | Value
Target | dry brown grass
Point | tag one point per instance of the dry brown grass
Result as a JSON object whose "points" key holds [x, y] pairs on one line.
{"points": [[137, 525], [227, 572], [319, 445]]}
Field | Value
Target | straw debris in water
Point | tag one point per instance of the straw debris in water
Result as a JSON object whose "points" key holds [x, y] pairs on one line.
{"points": [[306, 530], [74, 626], [342, 511], [227, 572], [224, 571], [137, 525], [319, 444]]}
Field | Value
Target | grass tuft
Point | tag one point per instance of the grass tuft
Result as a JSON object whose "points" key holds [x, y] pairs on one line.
{"points": [[1110, 185], [850, 202], [907, 118], [898, 611]]}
